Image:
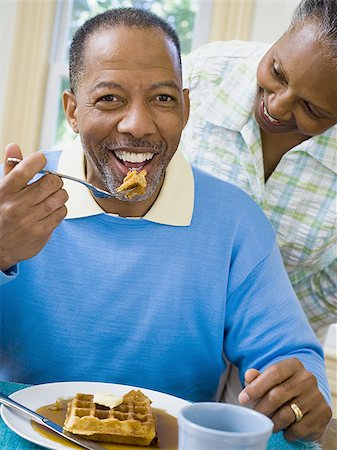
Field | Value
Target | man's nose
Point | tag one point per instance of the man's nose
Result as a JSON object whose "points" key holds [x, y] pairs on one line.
{"points": [[137, 120], [281, 104]]}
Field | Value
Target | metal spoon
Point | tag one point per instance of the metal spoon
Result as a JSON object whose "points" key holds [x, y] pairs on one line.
{"points": [[95, 190]]}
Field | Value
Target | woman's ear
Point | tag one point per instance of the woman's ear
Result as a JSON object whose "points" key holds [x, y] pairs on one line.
{"points": [[70, 109]]}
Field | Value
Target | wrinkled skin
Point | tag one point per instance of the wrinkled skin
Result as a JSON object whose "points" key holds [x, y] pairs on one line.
{"points": [[28, 213], [272, 391]]}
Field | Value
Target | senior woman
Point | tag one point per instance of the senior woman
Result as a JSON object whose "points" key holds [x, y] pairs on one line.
{"points": [[265, 119]]}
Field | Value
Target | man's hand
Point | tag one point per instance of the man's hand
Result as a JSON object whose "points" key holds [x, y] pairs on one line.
{"points": [[273, 391], [28, 213]]}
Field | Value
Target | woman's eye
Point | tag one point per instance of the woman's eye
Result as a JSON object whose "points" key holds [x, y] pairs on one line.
{"points": [[277, 74], [312, 112]]}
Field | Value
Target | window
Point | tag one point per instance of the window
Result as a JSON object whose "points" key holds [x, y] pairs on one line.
{"points": [[183, 15]]}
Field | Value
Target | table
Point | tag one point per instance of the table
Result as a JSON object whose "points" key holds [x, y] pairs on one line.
{"points": [[10, 441]]}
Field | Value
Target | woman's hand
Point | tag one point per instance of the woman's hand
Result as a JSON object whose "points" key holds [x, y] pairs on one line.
{"points": [[284, 384]]}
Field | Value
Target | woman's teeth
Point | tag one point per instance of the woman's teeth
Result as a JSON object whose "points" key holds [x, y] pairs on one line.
{"points": [[133, 157], [266, 113]]}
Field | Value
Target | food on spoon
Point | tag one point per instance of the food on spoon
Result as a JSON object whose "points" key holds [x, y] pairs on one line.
{"points": [[131, 422], [133, 184]]}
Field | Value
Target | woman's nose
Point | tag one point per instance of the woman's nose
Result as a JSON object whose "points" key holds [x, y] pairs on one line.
{"points": [[281, 104], [137, 120]]}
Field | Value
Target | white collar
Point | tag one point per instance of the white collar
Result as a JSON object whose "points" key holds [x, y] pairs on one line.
{"points": [[173, 206]]}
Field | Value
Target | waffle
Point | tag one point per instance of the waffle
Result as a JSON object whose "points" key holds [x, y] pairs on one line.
{"points": [[132, 422], [133, 184]]}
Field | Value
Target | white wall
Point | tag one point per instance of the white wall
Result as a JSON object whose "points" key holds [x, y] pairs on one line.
{"points": [[271, 19], [7, 20]]}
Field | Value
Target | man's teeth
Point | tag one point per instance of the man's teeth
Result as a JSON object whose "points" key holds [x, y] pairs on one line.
{"points": [[271, 118], [133, 157]]}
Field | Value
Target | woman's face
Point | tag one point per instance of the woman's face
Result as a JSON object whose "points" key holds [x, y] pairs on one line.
{"points": [[297, 86]]}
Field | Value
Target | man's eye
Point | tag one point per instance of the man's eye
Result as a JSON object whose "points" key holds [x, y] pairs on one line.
{"points": [[109, 98], [164, 98]]}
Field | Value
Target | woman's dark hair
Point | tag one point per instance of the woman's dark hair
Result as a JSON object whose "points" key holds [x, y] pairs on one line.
{"points": [[129, 17], [322, 14]]}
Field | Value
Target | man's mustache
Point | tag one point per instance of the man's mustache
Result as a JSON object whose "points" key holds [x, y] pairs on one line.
{"points": [[133, 142]]}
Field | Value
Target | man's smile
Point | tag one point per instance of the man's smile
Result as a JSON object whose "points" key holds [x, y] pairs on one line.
{"points": [[133, 157], [128, 157]]}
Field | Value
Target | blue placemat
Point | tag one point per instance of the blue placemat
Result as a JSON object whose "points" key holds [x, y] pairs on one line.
{"points": [[8, 439], [277, 442], [11, 441]]}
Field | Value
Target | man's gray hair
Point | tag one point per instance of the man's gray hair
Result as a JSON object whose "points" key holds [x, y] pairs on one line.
{"points": [[112, 18]]}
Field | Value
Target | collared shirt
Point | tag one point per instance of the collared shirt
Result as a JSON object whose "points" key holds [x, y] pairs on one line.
{"points": [[173, 206], [299, 198], [157, 306]]}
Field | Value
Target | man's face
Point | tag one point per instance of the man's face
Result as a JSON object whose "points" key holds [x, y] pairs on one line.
{"points": [[129, 107]]}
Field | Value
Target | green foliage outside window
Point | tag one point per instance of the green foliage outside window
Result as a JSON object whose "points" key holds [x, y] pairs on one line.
{"points": [[179, 13]]}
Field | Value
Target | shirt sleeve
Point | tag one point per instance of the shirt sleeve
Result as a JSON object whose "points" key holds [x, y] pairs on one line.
{"points": [[9, 274], [318, 296], [187, 68], [264, 315]]}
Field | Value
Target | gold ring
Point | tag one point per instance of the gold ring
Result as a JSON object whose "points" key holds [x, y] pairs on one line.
{"points": [[297, 411]]}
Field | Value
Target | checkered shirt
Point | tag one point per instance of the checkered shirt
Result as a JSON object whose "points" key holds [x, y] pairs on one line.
{"points": [[299, 198]]}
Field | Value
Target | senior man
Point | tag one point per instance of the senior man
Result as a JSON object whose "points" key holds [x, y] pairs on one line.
{"points": [[151, 291]]}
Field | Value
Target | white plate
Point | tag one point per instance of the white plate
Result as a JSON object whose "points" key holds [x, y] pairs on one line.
{"points": [[44, 394]]}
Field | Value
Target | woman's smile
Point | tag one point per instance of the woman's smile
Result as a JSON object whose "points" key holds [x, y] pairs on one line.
{"points": [[267, 121]]}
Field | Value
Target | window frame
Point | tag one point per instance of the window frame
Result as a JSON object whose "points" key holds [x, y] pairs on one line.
{"points": [[58, 69]]}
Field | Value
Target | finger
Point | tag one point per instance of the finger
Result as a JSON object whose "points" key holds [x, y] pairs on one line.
{"points": [[280, 394], [18, 177], [11, 151], [28, 210], [250, 375], [271, 377], [54, 219], [51, 204], [302, 385], [38, 234], [313, 424], [304, 432], [43, 188], [284, 417]]}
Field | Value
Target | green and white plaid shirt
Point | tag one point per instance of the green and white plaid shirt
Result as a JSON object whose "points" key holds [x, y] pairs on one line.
{"points": [[299, 198]]}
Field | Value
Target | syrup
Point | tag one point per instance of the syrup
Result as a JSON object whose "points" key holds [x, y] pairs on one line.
{"points": [[167, 429]]}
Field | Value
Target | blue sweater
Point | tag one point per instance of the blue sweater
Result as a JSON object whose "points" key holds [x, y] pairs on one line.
{"points": [[135, 302]]}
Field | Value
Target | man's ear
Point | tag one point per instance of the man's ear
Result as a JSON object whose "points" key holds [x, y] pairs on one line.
{"points": [[70, 109], [186, 94]]}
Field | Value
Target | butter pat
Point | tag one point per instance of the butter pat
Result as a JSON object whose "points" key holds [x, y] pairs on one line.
{"points": [[107, 399]]}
